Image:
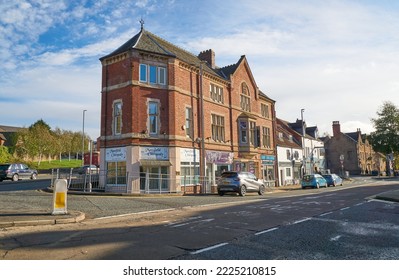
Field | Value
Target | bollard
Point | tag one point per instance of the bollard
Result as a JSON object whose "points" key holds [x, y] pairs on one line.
{"points": [[60, 197]]}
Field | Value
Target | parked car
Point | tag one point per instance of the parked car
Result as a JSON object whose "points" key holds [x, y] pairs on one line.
{"points": [[86, 169], [16, 171], [314, 181], [239, 182], [333, 180]]}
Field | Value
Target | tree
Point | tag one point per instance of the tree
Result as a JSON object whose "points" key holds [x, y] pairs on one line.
{"points": [[5, 156], [36, 141], [385, 138]]}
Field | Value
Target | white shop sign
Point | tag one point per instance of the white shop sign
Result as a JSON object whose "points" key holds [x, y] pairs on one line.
{"points": [[189, 155], [115, 154], [154, 153]]}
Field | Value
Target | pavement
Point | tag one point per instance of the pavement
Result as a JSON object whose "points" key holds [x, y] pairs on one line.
{"points": [[23, 217]]}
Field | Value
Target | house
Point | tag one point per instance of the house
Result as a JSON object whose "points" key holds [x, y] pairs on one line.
{"points": [[314, 158], [349, 152], [172, 121], [8, 134], [289, 154]]}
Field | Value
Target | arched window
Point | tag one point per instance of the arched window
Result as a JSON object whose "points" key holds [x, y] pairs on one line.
{"points": [[245, 98]]}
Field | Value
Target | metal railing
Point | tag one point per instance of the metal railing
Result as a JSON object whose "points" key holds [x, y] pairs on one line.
{"points": [[143, 183]]}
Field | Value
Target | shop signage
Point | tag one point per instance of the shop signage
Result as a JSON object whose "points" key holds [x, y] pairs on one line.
{"points": [[267, 160], [115, 154], [219, 157], [154, 153], [189, 155]]}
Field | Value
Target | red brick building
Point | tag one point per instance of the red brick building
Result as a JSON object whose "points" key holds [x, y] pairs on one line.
{"points": [[171, 120]]}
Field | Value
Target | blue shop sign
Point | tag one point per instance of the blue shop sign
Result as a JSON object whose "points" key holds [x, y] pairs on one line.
{"points": [[267, 160]]}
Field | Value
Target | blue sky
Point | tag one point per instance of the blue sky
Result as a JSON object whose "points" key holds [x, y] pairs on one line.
{"points": [[339, 60]]}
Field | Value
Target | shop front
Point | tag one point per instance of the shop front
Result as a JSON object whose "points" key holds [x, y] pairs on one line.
{"points": [[115, 175], [189, 168], [268, 169], [216, 163], [154, 170]]}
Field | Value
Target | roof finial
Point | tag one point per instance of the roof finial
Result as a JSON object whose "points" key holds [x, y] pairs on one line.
{"points": [[142, 23]]}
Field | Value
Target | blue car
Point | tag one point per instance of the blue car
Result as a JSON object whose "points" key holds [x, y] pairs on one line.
{"points": [[333, 180], [313, 181]]}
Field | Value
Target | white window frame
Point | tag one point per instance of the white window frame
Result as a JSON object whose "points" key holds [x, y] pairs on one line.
{"points": [[156, 132], [188, 114], [141, 78], [117, 118]]}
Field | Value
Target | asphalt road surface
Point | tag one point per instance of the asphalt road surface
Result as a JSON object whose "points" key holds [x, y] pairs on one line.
{"points": [[332, 223]]}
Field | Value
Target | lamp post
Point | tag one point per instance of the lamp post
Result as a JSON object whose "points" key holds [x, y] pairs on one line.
{"points": [[202, 131], [83, 136], [341, 159], [303, 145]]}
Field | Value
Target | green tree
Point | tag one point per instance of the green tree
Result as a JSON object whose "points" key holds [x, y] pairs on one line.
{"points": [[5, 156], [385, 138], [36, 141]]}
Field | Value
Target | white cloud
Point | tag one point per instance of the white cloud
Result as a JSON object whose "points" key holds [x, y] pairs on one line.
{"points": [[338, 60]]}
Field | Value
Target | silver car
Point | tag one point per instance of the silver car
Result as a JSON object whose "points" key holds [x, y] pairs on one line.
{"points": [[239, 182]]}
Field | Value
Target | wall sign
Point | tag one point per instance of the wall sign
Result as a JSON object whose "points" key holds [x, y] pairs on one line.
{"points": [[189, 155], [219, 157], [115, 154], [154, 153]]}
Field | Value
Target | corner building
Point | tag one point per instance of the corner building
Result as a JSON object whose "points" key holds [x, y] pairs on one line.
{"points": [[173, 122]]}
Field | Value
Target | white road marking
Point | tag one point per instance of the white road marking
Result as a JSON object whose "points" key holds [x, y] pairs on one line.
{"points": [[325, 214], [345, 208], [301, 221], [188, 223], [335, 238], [208, 248], [265, 231]]}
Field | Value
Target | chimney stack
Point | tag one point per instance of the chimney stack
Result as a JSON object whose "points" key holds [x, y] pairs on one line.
{"points": [[208, 56], [336, 128]]}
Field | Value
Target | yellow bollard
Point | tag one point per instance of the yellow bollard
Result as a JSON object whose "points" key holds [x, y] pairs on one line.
{"points": [[60, 197]]}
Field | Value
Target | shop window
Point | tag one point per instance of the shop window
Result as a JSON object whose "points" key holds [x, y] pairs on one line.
{"points": [[189, 172], [154, 179], [116, 173]]}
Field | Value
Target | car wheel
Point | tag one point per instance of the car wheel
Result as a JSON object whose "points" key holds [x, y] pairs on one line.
{"points": [[333, 184], [34, 176], [15, 177], [261, 190], [317, 186], [220, 193], [242, 191]]}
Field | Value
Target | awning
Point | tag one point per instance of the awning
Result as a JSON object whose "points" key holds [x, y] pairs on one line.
{"points": [[149, 162]]}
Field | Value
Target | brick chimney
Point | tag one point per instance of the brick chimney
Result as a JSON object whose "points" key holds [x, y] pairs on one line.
{"points": [[208, 56], [336, 128]]}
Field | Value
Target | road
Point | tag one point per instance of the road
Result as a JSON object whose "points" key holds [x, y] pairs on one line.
{"points": [[24, 185], [332, 223]]}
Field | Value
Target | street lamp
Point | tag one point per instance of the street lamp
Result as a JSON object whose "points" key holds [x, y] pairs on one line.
{"points": [[83, 136], [303, 144]]}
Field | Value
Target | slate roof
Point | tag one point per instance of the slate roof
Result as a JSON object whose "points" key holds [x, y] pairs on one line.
{"points": [[149, 42], [284, 128]]}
